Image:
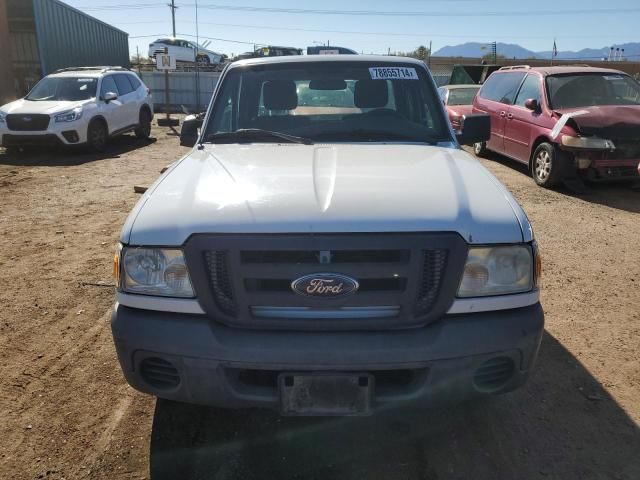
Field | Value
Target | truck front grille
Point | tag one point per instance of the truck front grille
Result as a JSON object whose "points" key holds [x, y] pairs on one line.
{"points": [[27, 122], [404, 280], [220, 281]]}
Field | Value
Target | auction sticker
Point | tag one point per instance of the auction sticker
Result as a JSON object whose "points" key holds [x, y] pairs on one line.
{"points": [[393, 73]]}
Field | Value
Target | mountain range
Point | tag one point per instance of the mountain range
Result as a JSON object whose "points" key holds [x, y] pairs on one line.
{"points": [[510, 50]]}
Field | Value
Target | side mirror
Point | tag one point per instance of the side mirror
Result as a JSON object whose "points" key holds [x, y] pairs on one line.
{"points": [[109, 96], [475, 128], [532, 104], [189, 131]]}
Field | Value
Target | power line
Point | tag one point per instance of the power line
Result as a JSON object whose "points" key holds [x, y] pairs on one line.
{"points": [[245, 8], [393, 13], [378, 33]]}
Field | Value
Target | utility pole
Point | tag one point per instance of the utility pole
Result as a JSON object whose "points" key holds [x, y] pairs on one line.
{"points": [[173, 8], [429, 57]]}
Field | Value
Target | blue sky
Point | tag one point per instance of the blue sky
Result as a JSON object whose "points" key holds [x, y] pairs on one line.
{"points": [[592, 23]]}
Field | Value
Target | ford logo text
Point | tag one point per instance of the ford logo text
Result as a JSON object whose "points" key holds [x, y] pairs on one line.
{"points": [[324, 285]]}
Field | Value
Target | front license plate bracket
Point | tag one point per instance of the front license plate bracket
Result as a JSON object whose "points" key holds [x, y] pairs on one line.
{"points": [[325, 394]]}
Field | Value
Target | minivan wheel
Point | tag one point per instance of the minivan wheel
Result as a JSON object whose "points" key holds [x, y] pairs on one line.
{"points": [[143, 132], [545, 167], [97, 136], [480, 149]]}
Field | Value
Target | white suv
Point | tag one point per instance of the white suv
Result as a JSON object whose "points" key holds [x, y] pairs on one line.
{"points": [[184, 51], [78, 106]]}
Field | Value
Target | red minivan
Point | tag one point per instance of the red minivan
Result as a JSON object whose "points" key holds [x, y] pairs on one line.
{"points": [[563, 122]]}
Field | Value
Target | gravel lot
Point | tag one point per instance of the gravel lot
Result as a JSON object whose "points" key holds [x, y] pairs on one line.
{"points": [[67, 412]]}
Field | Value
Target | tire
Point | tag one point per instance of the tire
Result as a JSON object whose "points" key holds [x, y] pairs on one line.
{"points": [[480, 149], [203, 60], [97, 136], [143, 132], [547, 165]]}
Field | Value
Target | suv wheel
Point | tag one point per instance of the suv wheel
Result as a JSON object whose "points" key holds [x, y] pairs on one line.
{"points": [[143, 132], [480, 149], [545, 167], [97, 136]]}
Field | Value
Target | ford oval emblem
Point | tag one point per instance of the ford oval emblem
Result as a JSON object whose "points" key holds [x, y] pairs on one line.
{"points": [[26, 119], [325, 285]]}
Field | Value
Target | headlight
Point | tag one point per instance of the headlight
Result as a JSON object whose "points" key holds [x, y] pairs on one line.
{"points": [[3, 117], [498, 271], [70, 116], [590, 143], [154, 271]]}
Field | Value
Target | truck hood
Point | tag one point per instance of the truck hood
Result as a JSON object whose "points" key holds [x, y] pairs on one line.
{"points": [[290, 188], [28, 106], [608, 121]]}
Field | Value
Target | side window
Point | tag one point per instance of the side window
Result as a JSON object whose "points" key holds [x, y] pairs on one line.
{"points": [[108, 85], [133, 80], [502, 87], [530, 89], [124, 86]]}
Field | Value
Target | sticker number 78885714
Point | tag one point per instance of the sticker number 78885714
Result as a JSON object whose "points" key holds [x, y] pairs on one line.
{"points": [[393, 73]]}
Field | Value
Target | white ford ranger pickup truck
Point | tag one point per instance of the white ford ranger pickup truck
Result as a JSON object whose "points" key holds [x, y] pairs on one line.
{"points": [[327, 248]]}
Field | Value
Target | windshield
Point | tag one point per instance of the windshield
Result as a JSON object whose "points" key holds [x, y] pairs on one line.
{"points": [[591, 89], [462, 96], [329, 101], [64, 88]]}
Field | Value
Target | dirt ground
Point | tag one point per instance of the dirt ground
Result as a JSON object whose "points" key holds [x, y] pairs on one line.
{"points": [[66, 411]]}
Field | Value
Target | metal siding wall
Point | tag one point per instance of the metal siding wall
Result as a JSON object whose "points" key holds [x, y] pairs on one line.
{"points": [[69, 38], [182, 89]]}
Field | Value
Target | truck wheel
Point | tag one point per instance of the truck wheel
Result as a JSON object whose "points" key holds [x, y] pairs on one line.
{"points": [[546, 167], [480, 149], [97, 136], [143, 132]]}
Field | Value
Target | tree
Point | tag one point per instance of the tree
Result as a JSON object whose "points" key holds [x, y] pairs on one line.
{"points": [[488, 57], [140, 60], [421, 53]]}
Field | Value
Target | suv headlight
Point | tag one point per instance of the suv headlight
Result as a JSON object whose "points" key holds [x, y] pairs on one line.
{"points": [[153, 271], [498, 271], [70, 116], [3, 117]]}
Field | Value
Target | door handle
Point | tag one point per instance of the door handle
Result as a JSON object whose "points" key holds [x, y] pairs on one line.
{"points": [[510, 116], [502, 114]]}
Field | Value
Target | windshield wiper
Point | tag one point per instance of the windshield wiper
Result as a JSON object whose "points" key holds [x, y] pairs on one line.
{"points": [[253, 134]]}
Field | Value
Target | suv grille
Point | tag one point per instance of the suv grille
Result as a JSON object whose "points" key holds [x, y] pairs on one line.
{"points": [[25, 122], [404, 279]]}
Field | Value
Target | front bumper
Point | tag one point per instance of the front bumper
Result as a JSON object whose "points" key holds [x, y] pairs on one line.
{"points": [[212, 364], [71, 133]]}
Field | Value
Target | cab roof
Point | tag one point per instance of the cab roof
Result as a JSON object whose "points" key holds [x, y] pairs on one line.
{"points": [[384, 59]]}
